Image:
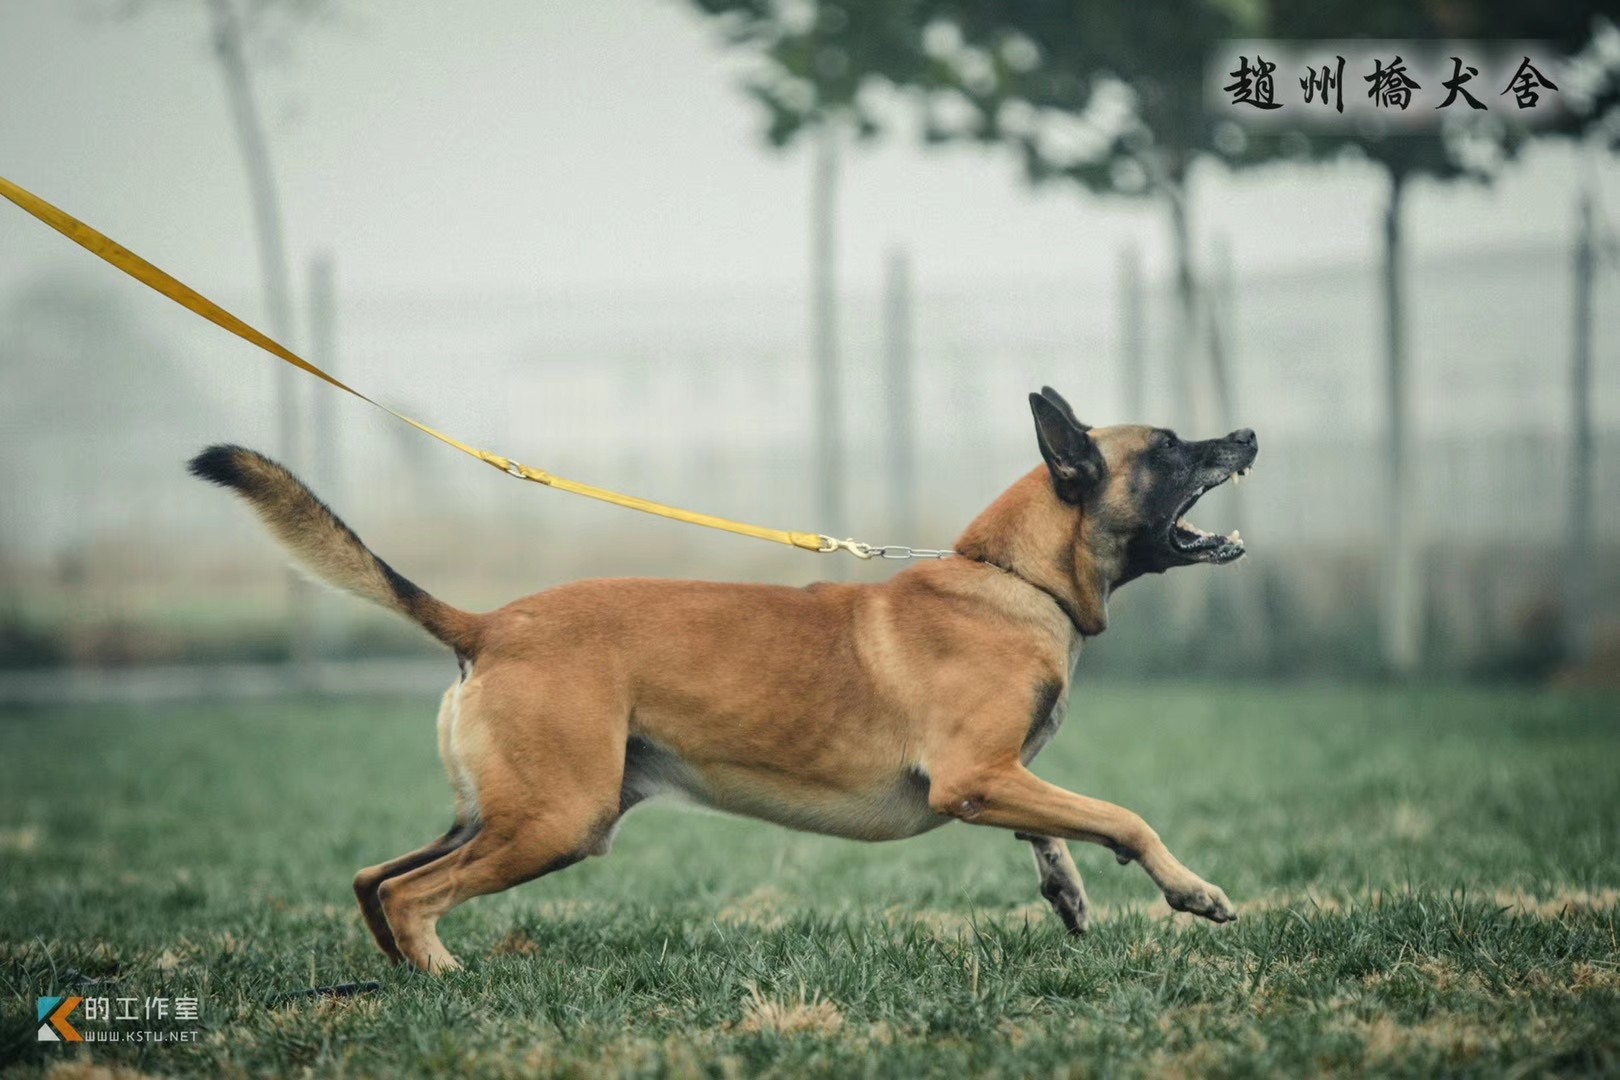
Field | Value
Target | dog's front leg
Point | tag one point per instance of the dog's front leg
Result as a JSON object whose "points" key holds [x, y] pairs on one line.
{"points": [[1009, 796], [1060, 881]]}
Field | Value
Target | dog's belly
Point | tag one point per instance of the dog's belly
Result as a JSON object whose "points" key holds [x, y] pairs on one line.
{"points": [[890, 807]]}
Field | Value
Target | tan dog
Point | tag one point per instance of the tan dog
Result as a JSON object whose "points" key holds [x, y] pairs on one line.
{"points": [[867, 711]]}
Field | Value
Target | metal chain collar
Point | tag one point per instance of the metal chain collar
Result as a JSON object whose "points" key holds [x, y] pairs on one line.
{"points": [[863, 550]]}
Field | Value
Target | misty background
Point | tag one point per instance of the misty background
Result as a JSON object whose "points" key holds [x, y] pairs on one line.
{"points": [[557, 232]]}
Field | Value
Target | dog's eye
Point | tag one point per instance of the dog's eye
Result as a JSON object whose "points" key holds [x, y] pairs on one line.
{"points": [[1167, 440]]}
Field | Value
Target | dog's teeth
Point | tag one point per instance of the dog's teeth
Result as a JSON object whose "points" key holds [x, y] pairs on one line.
{"points": [[1236, 537], [1237, 478]]}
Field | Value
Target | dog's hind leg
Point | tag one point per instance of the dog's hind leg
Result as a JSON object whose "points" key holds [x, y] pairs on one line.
{"points": [[1060, 881], [500, 856], [544, 759], [368, 882]]}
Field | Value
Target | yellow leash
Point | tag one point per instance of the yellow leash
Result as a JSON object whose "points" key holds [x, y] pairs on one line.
{"points": [[190, 299]]}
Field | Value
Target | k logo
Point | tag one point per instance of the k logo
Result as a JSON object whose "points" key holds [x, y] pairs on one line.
{"points": [[53, 1019]]}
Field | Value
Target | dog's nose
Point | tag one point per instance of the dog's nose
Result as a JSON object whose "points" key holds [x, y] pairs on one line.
{"points": [[1245, 436]]}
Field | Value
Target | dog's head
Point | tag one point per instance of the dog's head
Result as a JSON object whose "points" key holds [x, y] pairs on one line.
{"points": [[1110, 506], [1133, 486]]}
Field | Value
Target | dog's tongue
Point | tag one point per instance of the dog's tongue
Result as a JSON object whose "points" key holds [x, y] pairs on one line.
{"points": [[1183, 523], [1233, 537]]}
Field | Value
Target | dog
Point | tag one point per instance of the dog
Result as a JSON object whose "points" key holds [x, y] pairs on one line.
{"points": [[873, 712]]}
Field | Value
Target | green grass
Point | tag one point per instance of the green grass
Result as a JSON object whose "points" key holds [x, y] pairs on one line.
{"points": [[1427, 878]]}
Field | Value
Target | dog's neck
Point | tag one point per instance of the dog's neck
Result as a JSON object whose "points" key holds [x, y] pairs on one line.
{"points": [[1029, 533]]}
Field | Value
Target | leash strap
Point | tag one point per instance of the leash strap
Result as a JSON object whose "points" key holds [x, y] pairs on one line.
{"points": [[190, 299]]}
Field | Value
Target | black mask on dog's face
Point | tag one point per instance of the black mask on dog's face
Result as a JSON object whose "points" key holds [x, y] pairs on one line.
{"points": [[1136, 485]]}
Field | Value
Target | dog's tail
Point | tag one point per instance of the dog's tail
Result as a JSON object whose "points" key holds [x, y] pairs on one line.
{"points": [[325, 546]]}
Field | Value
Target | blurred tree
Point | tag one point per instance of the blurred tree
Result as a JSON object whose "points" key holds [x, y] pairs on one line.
{"points": [[269, 25], [233, 24], [274, 277], [1112, 97], [1108, 96], [1474, 146]]}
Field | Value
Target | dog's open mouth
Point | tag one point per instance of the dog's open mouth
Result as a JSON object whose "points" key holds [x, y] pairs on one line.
{"points": [[1197, 545]]}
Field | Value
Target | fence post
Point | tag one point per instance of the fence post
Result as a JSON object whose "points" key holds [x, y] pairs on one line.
{"points": [[326, 622], [897, 370], [1219, 301], [323, 463], [1246, 591], [824, 331], [1403, 585], [1133, 342], [1577, 566], [276, 284]]}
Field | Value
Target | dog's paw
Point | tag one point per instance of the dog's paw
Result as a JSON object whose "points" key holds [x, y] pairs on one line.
{"points": [[1204, 900], [1075, 920], [1072, 908], [1068, 901]]}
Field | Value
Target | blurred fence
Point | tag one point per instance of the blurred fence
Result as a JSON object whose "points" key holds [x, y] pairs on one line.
{"points": [[108, 553]]}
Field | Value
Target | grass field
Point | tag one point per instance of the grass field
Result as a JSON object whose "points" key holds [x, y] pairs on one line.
{"points": [[1427, 878]]}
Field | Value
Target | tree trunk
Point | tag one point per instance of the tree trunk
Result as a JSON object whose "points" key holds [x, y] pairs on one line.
{"points": [[329, 612], [324, 445], [273, 277], [1180, 367], [1243, 592], [277, 288], [1191, 597], [1220, 302], [1577, 570], [1402, 587], [1133, 350], [901, 393], [824, 330]]}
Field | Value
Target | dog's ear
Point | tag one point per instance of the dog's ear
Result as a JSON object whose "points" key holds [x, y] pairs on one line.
{"points": [[1071, 456], [1057, 399]]}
